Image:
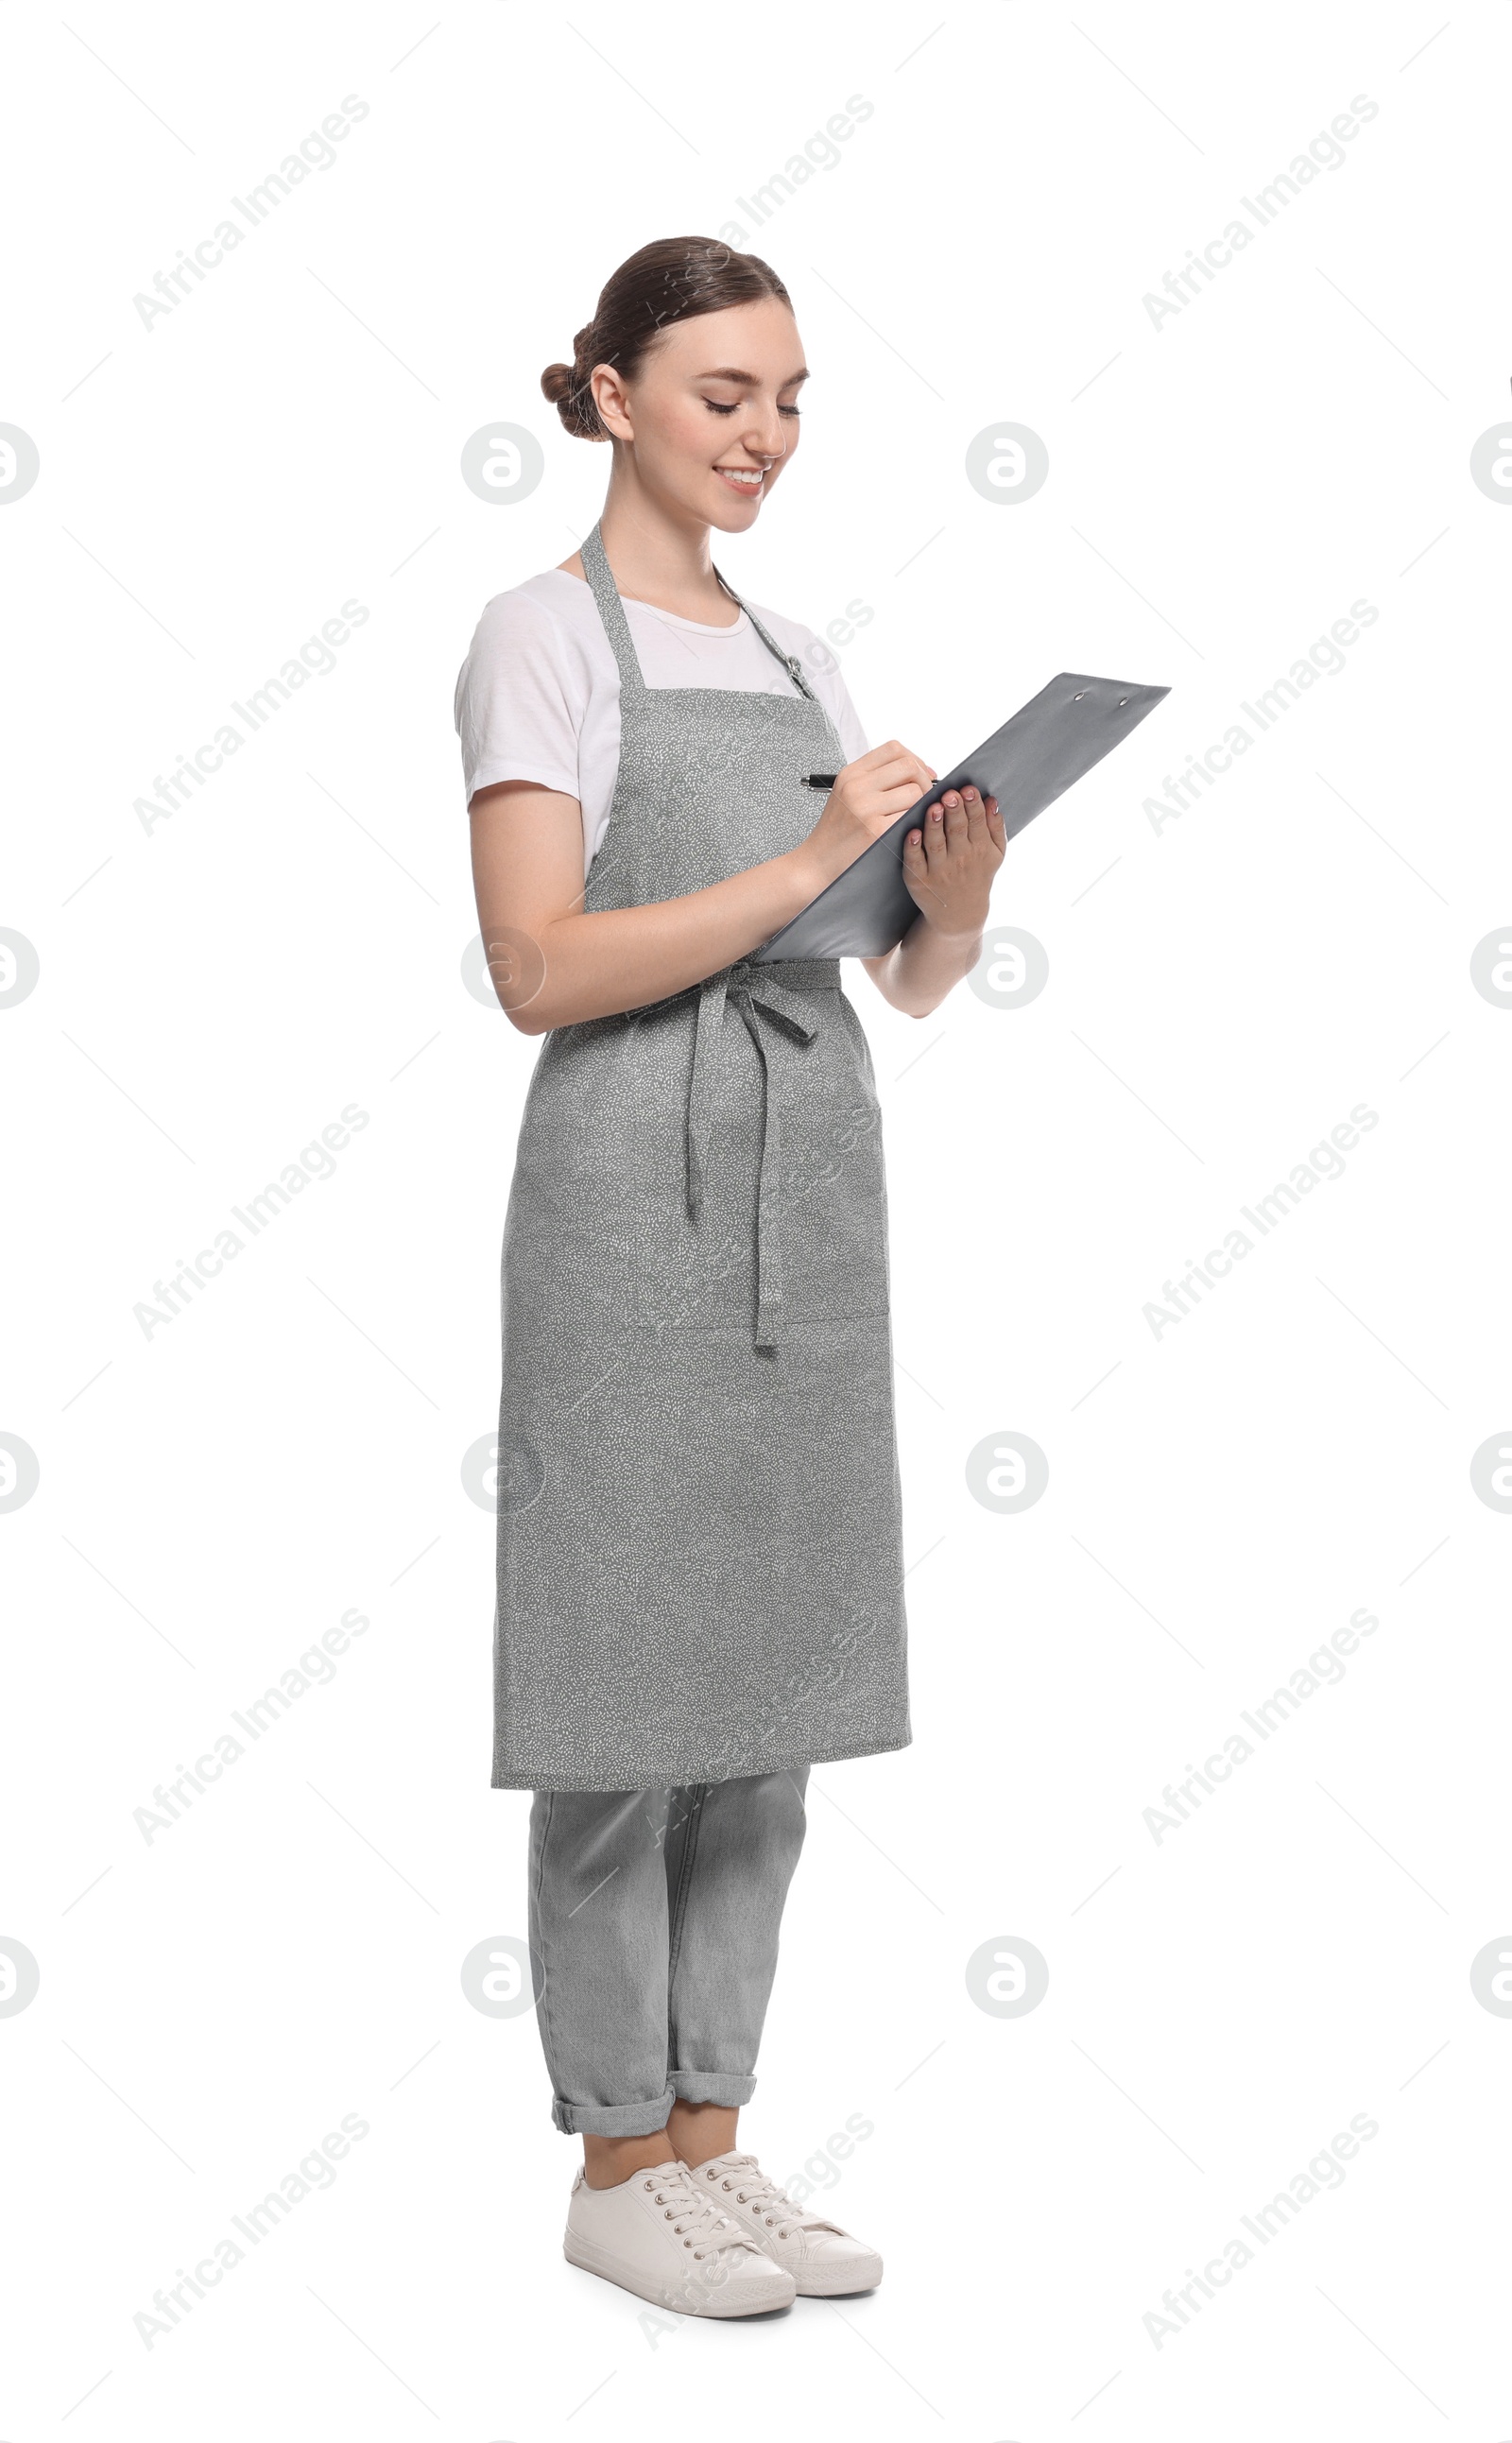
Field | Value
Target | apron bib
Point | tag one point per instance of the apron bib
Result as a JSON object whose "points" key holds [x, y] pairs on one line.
{"points": [[699, 1513]]}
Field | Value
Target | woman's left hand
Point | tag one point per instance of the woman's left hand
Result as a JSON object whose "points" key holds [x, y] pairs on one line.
{"points": [[950, 865]]}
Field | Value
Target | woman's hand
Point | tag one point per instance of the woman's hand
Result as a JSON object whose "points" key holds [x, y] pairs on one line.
{"points": [[868, 797], [949, 864]]}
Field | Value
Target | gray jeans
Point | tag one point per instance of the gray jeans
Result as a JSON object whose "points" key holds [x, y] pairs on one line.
{"points": [[653, 1917]]}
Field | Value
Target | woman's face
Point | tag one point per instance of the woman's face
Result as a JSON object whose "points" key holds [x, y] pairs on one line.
{"points": [[712, 415]]}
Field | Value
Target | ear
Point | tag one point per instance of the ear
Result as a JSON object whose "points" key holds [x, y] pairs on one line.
{"points": [[612, 401]]}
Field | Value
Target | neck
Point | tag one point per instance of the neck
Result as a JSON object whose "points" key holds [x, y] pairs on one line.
{"points": [[658, 552]]}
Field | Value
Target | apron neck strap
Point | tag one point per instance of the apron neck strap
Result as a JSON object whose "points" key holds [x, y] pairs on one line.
{"points": [[617, 626], [790, 661], [612, 611]]}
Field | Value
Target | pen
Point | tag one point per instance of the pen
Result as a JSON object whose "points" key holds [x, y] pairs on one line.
{"points": [[820, 779]]}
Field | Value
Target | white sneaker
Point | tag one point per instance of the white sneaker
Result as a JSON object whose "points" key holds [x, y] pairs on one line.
{"points": [[823, 2260], [657, 2235]]}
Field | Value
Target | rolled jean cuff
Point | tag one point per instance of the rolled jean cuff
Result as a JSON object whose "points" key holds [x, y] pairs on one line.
{"points": [[610, 2119], [712, 2086]]}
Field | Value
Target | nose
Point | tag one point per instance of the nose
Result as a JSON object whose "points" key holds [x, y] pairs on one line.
{"points": [[763, 436]]}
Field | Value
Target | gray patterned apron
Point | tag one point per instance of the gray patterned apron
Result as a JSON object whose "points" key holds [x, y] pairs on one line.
{"points": [[699, 1522]]}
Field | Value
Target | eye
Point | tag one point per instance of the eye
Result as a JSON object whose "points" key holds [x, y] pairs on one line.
{"points": [[718, 407]]}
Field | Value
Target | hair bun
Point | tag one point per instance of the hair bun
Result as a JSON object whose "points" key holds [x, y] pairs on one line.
{"points": [[566, 387]]}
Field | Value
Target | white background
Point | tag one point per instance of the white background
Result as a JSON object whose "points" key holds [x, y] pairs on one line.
{"points": [[1222, 991]]}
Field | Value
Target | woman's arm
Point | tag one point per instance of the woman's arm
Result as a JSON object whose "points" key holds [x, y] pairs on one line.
{"points": [[948, 869], [554, 964]]}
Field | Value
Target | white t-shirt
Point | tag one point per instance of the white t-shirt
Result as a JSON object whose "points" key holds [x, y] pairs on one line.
{"points": [[538, 697]]}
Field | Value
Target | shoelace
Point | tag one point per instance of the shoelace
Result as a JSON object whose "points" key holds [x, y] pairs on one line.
{"points": [[695, 2217], [743, 2176]]}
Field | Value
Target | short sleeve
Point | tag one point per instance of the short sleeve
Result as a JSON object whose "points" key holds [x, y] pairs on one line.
{"points": [[847, 720], [520, 700]]}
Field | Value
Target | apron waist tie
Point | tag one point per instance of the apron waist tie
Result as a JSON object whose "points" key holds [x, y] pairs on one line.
{"points": [[761, 994]]}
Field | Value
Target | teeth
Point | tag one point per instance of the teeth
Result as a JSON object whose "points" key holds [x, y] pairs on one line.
{"points": [[741, 476]]}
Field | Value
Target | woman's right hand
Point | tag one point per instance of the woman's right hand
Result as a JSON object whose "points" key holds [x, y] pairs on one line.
{"points": [[868, 797]]}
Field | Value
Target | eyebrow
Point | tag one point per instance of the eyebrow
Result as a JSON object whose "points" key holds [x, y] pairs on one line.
{"points": [[737, 374]]}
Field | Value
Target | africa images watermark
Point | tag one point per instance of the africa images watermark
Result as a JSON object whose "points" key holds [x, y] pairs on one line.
{"points": [[1325, 153], [316, 659], [315, 153], [821, 152], [824, 2166], [316, 1161], [821, 1675], [1324, 1668], [1326, 2171], [1324, 658], [316, 1667], [1324, 1161], [315, 2171]]}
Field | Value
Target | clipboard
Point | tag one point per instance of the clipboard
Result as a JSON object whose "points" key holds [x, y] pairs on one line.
{"points": [[1040, 752]]}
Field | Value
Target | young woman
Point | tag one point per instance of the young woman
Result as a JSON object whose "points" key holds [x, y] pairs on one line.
{"points": [[699, 1561]]}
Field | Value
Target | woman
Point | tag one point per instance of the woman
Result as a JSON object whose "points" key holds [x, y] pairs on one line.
{"points": [[699, 1562]]}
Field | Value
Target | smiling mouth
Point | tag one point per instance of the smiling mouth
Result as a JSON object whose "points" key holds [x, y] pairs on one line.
{"points": [[746, 479]]}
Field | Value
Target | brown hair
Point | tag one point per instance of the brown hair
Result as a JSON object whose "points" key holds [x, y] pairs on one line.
{"points": [[667, 281]]}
